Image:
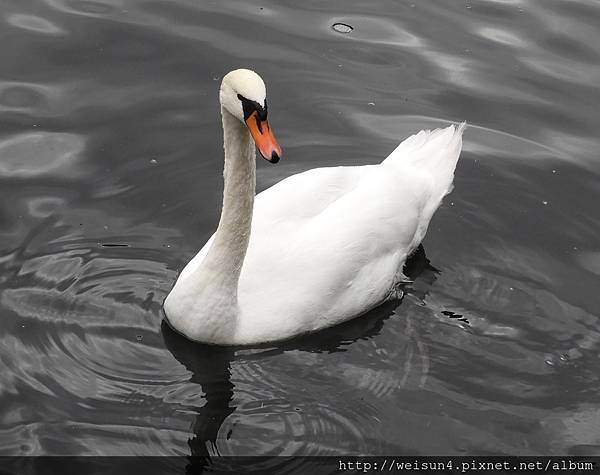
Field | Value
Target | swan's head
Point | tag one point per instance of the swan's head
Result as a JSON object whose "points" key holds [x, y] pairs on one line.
{"points": [[243, 94]]}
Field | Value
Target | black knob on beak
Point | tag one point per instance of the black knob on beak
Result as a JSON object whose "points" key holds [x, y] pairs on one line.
{"points": [[274, 157]]}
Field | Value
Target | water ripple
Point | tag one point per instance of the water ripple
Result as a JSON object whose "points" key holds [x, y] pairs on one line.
{"points": [[379, 30], [94, 8], [111, 160], [503, 36], [36, 153], [30, 98], [35, 24]]}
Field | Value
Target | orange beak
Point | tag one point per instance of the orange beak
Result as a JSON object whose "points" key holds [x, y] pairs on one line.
{"points": [[265, 141]]}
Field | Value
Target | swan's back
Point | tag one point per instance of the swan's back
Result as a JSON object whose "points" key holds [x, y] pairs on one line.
{"points": [[329, 244]]}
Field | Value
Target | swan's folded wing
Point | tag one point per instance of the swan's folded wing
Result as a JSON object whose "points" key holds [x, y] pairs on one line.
{"points": [[305, 195], [317, 270]]}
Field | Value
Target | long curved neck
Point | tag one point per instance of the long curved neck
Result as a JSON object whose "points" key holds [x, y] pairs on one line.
{"points": [[204, 305], [226, 255]]}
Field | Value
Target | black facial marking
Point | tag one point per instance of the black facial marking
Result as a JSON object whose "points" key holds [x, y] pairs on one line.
{"points": [[259, 124], [250, 107]]}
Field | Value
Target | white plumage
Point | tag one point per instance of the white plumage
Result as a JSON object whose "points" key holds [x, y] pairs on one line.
{"points": [[325, 246]]}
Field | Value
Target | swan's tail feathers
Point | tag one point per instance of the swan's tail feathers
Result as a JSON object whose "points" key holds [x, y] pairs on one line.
{"points": [[435, 151]]}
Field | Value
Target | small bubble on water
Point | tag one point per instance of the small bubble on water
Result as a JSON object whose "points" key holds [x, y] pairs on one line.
{"points": [[215, 78], [342, 28]]}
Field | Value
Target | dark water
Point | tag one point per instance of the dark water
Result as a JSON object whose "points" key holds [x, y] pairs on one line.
{"points": [[110, 181]]}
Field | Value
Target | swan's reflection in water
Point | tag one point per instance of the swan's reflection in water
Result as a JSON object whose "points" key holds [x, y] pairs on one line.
{"points": [[211, 369], [211, 366]]}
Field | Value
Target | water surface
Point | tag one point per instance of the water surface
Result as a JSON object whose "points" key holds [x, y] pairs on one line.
{"points": [[110, 181]]}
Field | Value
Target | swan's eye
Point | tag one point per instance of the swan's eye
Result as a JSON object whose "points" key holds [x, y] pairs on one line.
{"points": [[249, 107]]}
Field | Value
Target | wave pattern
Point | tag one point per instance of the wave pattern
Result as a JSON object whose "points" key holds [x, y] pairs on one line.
{"points": [[110, 164]]}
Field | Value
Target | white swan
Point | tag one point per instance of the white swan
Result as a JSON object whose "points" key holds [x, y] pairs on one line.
{"points": [[317, 248]]}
